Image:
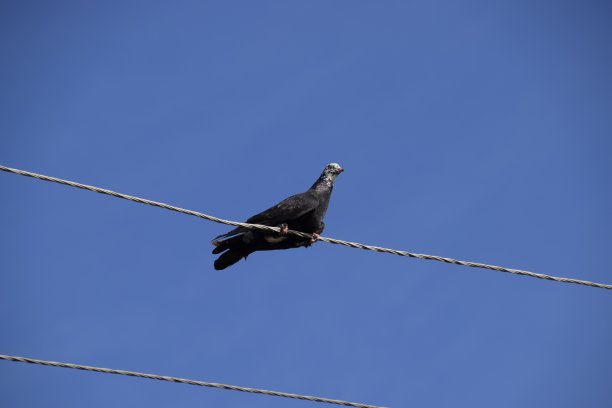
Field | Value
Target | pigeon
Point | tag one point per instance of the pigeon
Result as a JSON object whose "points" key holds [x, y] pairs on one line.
{"points": [[301, 212]]}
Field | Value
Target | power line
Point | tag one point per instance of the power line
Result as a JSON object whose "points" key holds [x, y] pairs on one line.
{"points": [[303, 235], [185, 381]]}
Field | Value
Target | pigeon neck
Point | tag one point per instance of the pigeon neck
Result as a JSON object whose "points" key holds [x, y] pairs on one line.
{"points": [[324, 182]]}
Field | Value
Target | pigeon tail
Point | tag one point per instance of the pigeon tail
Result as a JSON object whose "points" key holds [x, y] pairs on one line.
{"points": [[228, 243], [228, 258], [232, 250], [223, 238]]}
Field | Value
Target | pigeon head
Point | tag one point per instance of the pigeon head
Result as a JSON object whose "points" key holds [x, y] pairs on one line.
{"points": [[326, 180], [332, 170]]}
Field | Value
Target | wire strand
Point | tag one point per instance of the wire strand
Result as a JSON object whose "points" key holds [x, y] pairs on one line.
{"points": [[185, 381], [304, 235]]}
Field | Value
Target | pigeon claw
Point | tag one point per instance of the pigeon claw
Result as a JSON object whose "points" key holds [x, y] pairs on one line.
{"points": [[314, 238], [284, 229]]}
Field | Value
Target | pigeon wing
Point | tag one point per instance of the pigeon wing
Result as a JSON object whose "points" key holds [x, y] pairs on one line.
{"points": [[283, 212], [287, 210]]}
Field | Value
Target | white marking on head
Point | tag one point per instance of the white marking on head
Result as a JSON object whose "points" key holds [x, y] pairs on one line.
{"points": [[326, 179], [333, 168], [331, 171]]}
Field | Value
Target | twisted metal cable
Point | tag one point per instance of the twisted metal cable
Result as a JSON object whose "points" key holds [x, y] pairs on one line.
{"points": [[185, 381], [307, 236]]}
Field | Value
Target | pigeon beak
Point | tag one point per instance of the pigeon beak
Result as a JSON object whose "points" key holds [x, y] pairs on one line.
{"points": [[340, 170]]}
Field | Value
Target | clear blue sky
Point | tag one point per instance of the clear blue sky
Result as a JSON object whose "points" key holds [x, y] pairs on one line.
{"points": [[479, 130]]}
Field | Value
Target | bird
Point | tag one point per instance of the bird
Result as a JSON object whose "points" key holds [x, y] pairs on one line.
{"points": [[302, 212]]}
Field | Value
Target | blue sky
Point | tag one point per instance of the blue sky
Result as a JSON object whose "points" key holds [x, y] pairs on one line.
{"points": [[477, 130]]}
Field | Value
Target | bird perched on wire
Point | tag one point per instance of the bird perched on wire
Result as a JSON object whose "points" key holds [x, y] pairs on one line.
{"points": [[301, 212]]}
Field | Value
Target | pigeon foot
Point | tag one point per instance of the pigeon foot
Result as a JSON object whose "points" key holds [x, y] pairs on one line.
{"points": [[284, 229]]}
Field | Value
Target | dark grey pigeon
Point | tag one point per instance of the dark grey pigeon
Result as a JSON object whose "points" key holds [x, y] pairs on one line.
{"points": [[302, 212]]}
